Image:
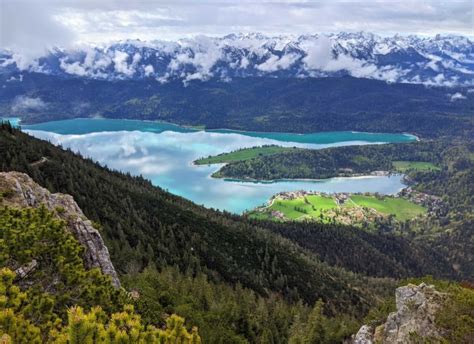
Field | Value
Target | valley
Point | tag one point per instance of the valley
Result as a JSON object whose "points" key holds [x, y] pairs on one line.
{"points": [[225, 172], [137, 218], [164, 153]]}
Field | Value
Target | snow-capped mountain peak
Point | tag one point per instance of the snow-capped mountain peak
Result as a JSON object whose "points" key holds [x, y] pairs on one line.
{"points": [[440, 60]]}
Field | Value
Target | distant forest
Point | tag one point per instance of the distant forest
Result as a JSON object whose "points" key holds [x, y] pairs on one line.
{"points": [[332, 162], [259, 104], [449, 229]]}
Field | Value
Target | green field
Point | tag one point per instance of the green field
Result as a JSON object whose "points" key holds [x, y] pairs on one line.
{"points": [[304, 207], [242, 154], [300, 208], [401, 208], [403, 166], [316, 207]]}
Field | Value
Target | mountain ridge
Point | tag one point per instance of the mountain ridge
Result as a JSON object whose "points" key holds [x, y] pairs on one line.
{"points": [[442, 60]]}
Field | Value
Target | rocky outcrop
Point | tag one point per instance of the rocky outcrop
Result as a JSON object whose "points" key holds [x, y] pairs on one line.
{"points": [[365, 335], [25, 270], [415, 317], [21, 191]]}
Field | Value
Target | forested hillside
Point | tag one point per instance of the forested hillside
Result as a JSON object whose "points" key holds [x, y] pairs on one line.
{"points": [[449, 178], [259, 104], [332, 162], [145, 226]]}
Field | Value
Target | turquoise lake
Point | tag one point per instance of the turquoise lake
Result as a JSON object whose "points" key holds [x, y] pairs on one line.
{"points": [[164, 153]]}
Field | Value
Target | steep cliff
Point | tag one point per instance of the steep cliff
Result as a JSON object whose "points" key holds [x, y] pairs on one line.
{"points": [[19, 190], [414, 318]]}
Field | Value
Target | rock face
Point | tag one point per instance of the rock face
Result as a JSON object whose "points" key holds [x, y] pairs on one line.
{"points": [[415, 315], [365, 335], [22, 191]]}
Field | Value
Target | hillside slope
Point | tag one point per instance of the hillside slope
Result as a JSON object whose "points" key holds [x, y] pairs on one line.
{"points": [[448, 226], [258, 104], [57, 283], [144, 225], [19, 190]]}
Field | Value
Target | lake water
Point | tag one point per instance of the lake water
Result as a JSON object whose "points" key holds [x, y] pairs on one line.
{"points": [[164, 152]]}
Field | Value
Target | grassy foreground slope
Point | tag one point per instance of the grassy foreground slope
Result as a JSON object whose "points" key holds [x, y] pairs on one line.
{"points": [[58, 300]]}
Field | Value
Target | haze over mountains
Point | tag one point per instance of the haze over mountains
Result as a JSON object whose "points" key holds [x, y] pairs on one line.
{"points": [[442, 60]]}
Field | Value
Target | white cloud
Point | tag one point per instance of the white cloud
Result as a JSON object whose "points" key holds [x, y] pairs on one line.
{"points": [[121, 64], [457, 96], [25, 103], [318, 53], [34, 25], [149, 70], [204, 55], [29, 29], [13, 79], [75, 68], [94, 63], [244, 62], [320, 56], [274, 63]]}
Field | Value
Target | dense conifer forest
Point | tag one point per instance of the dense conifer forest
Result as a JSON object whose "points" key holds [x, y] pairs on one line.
{"points": [[447, 229], [258, 104], [333, 162]]}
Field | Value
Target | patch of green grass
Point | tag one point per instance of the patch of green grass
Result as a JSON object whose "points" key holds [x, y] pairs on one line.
{"points": [[317, 207], [403, 166], [322, 202], [401, 208], [243, 154], [300, 208]]}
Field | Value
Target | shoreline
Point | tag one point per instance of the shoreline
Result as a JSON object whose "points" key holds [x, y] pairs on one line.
{"points": [[271, 181]]}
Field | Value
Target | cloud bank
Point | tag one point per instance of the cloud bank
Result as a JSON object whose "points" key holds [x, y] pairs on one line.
{"points": [[436, 61]]}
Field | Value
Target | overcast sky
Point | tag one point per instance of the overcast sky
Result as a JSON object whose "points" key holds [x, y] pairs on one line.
{"points": [[35, 24]]}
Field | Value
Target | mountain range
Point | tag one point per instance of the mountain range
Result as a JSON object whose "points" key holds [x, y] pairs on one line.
{"points": [[442, 60]]}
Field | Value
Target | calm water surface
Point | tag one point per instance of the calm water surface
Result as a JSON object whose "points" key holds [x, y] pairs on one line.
{"points": [[164, 153]]}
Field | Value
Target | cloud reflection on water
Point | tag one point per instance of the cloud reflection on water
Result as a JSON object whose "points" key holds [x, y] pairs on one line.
{"points": [[166, 159]]}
